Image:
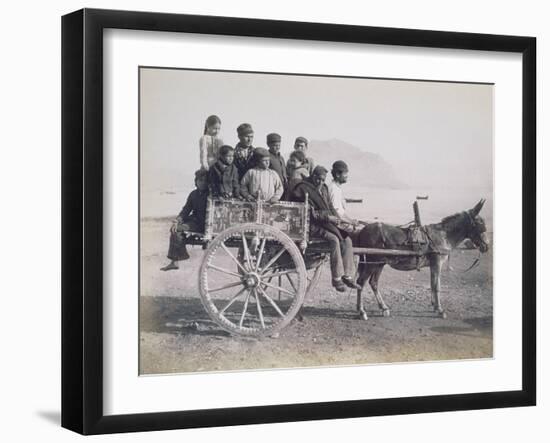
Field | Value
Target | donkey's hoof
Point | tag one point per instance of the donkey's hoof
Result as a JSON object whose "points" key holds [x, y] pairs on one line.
{"points": [[300, 317], [441, 313], [386, 313], [363, 315]]}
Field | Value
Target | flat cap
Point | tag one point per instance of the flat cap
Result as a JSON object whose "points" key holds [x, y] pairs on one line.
{"points": [[245, 129], [273, 138], [201, 173], [301, 140]]}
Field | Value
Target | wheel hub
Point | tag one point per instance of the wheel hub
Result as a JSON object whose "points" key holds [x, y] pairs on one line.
{"points": [[251, 280]]}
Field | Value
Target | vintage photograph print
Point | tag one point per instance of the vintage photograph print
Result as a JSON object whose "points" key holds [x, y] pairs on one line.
{"points": [[295, 221]]}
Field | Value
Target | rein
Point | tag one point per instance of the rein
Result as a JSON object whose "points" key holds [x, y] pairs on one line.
{"points": [[476, 262]]}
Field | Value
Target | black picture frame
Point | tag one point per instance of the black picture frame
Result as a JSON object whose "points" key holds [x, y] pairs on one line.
{"points": [[82, 218]]}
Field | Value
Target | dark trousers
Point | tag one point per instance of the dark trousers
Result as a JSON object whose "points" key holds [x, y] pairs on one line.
{"points": [[177, 250]]}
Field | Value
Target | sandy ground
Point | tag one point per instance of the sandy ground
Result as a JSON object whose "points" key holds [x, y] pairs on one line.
{"points": [[176, 334]]}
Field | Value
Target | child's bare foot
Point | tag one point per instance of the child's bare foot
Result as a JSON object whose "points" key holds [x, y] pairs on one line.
{"points": [[169, 267]]}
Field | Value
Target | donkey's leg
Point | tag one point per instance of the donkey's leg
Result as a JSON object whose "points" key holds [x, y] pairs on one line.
{"points": [[436, 264], [364, 272], [373, 281]]}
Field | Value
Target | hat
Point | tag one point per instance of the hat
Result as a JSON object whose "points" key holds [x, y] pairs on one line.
{"points": [[301, 140], [261, 153], [273, 138], [318, 170], [201, 173], [244, 129], [225, 149], [339, 166]]}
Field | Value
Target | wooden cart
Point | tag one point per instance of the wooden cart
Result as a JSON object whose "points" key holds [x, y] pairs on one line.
{"points": [[259, 264]]}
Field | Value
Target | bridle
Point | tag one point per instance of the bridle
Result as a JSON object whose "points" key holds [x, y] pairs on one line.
{"points": [[474, 233], [472, 226]]}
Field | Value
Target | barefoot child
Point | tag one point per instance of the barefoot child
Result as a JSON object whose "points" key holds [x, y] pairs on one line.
{"points": [[261, 182], [190, 219], [223, 177], [210, 143]]}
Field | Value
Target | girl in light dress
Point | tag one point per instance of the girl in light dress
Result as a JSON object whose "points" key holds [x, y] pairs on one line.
{"points": [[210, 143]]}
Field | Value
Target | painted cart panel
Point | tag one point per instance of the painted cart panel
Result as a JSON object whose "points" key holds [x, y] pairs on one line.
{"points": [[291, 218]]}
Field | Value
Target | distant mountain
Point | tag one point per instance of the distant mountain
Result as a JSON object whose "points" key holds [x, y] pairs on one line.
{"points": [[366, 168]]}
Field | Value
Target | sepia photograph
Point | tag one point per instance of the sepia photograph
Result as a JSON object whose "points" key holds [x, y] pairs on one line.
{"points": [[297, 221]]}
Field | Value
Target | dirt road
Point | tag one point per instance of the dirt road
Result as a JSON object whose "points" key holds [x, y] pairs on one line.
{"points": [[176, 334]]}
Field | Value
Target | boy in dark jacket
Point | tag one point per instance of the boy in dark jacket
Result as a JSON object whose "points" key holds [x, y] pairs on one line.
{"points": [[190, 219], [223, 176], [277, 161], [244, 151]]}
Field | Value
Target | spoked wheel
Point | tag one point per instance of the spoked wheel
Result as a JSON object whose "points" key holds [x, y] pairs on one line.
{"points": [[252, 280]]}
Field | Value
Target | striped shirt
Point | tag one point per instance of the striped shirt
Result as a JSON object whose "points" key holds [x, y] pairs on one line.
{"points": [[262, 183]]}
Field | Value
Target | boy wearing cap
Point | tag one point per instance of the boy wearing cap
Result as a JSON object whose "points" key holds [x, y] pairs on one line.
{"points": [[261, 182], [278, 163], [190, 219], [324, 224], [223, 177], [301, 144], [244, 151]]}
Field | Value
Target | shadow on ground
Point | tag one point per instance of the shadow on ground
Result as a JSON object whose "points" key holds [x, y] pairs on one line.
{"points": [[477, 326]]}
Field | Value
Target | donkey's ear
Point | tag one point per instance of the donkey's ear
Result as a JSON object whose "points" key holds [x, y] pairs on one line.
{"points": [[477, 208]]}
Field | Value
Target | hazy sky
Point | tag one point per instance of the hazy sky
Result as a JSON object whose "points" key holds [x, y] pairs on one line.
{"points": [[434, 134]]}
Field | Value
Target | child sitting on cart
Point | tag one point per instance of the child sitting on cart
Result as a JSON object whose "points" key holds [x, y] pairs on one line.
{"points": [[190, 219], [223, 176], [260, 182]]}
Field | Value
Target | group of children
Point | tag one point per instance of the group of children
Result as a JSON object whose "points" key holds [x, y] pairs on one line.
{"points": [[251, 174], [243, 172], [228, 167]]}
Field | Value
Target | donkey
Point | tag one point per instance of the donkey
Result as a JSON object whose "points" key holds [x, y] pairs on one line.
{"points": [[442, 238]]}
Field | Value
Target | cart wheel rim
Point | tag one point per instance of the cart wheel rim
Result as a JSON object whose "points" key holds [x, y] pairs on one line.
{"points": [[265, 280]]}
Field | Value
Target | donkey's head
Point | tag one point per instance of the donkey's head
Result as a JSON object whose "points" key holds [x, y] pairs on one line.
{"points": [[476, 229]]}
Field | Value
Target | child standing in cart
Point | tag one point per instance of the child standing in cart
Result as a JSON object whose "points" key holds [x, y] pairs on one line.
{"points": [[210, 143], [278, 163], [244, 151], [190, 219], [301, 144]]}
